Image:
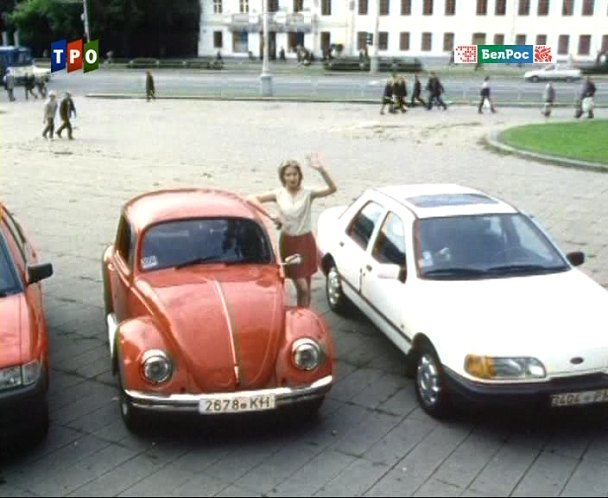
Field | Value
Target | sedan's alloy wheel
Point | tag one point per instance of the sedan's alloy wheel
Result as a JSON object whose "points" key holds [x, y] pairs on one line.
{"points": [[428, 379], [334, 287]]}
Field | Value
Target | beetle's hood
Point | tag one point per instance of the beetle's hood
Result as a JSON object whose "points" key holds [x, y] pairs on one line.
{"points": [[226, 325], [14, 323], [556, 315]]}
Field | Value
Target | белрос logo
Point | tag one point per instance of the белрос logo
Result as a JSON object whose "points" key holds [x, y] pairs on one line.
{"points": [[74, 56], [502, 54]]}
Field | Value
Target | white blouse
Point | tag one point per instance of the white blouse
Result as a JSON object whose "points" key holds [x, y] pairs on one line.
{"points": [[295, 210]]}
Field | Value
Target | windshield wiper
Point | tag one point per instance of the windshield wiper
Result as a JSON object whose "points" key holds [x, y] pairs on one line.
{"points": [[196, 261], [454, 272], [525, 268]]}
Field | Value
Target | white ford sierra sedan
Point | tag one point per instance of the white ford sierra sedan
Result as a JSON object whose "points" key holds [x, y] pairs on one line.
{"points": [[483, 303]]}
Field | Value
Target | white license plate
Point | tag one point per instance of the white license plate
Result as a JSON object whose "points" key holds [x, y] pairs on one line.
{"points": [[233, 403], [580, 398]]}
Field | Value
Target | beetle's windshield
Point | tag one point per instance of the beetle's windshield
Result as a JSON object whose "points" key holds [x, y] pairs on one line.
{"points": [[205, 241], [485, 246], [8, 281]]}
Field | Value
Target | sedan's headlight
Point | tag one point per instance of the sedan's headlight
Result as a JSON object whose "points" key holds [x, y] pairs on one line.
{"points": [[10, 378], [307, 354], [486, 367], [156, 366]]}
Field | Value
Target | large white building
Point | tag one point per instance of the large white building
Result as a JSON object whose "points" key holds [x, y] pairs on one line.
{"points": [[576, 29]]}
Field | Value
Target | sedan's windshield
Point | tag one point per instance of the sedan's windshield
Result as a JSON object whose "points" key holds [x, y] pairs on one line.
{"points": [[204, 241], [484, 246], [8, 282]]}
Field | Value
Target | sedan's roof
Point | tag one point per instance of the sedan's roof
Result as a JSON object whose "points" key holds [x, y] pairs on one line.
{"points": [[167, 205], [439, 200]]}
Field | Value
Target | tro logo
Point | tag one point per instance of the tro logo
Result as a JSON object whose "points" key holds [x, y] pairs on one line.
{"points": [[73, 56]]}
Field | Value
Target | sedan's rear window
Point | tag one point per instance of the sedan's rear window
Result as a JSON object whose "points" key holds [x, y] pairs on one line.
{"points": [[205, 241]]}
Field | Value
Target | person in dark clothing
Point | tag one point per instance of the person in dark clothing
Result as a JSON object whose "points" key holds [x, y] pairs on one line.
{"points": [[29, 85], [387, 96], [41, 86], [400, 93], [485, 95], [588, 97], [435, 89], [416, 92], [66, 110], [150, 90]]}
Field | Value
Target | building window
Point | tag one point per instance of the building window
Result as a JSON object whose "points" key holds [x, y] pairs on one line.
{"points": [[584, 45], [482, 7], [479, 39], [541, 39], [298, 5], [218, 39], [361, 40], [326, 7], [562, 44], [427, 42], [273, 5], [448, 42], [543, 7], [244, 6], [604, 44], [240, 42], [217, 6], [383, 40], [384, 7], [450, 7], [501, 7], [499, 39], [524, 8], [588, 7], [568, 8], [363, 7], [520, 39], [406, 7], [427, 8], [404, 41]]}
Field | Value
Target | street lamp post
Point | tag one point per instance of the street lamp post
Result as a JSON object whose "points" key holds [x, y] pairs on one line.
{"points": [[266, 77], [373, 63], [85, 15]]}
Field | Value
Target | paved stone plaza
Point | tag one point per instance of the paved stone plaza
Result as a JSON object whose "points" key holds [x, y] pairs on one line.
{"points": [[370, 438]]}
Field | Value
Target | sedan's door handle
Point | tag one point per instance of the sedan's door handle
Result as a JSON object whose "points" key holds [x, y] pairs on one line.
{"points": [[341, 244], [368, 267]]}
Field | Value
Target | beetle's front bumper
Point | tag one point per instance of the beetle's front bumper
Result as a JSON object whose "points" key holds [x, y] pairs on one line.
{"points": [[284, 396]]}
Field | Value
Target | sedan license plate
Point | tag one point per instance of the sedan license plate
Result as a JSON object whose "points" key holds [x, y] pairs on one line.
{"points": [[234, 403], [580, 398]]}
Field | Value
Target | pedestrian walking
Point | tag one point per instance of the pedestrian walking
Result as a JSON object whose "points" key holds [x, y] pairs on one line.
{"points": [[41, 86], [29, 85], [150, 90], [548, 99], [66, 111], [485, 96], [48, 119], [9, 82], [436, 90], [416, 92], [400, 94], [294, 204], [588, 97], [387, 96]]}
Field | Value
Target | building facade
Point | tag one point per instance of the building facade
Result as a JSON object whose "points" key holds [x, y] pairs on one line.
{"points": [[576, 29]]}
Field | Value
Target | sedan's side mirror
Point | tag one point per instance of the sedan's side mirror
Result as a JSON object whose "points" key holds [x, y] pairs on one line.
{"points": [[294, 259], [576, 258], [36, 273]]}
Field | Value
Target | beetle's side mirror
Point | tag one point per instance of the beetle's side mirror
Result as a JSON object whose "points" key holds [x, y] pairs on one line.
{"points": [[294, 259], [36, 273], [576, 258]]}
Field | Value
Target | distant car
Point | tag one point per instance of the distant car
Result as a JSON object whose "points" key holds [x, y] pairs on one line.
{"points": [[42, 73], [385, 64], [485, 306], [24, 350], [553, 72], [196, 312]]}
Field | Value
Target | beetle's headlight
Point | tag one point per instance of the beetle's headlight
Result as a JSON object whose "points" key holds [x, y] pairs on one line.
{"points": [[10, 378], [31, 372], [487, 367], [156, 366], [306, 354]]}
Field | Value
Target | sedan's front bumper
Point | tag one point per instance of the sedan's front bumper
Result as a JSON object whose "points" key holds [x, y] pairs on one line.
{"points": [[22, 409], [284, 396], [538, 393]]}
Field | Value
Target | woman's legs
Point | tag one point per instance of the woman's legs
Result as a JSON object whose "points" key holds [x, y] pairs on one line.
{"points": [[303, 291]]}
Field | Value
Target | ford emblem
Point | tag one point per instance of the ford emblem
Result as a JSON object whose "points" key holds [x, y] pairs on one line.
{"points": [[576, 361]]}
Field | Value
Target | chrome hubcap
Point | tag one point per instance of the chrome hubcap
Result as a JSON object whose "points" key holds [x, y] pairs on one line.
{"points": [[334, 288], [428, 380]]}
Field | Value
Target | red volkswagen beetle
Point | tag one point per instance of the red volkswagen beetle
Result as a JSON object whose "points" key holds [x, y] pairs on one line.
{"points": [[196, 313], [24, 353]]}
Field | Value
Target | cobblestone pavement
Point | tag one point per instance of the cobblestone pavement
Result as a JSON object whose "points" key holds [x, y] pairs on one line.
{"points": [[370, 438]]}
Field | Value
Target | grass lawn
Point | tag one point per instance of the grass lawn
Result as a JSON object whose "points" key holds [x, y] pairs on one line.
{"points": [[584, 140]]}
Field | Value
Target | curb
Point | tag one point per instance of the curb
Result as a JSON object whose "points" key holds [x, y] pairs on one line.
{"points": [[493, 141]]}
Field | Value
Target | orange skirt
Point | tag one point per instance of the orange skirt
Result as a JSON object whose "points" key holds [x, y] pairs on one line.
{"points": [[304, 245]]}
